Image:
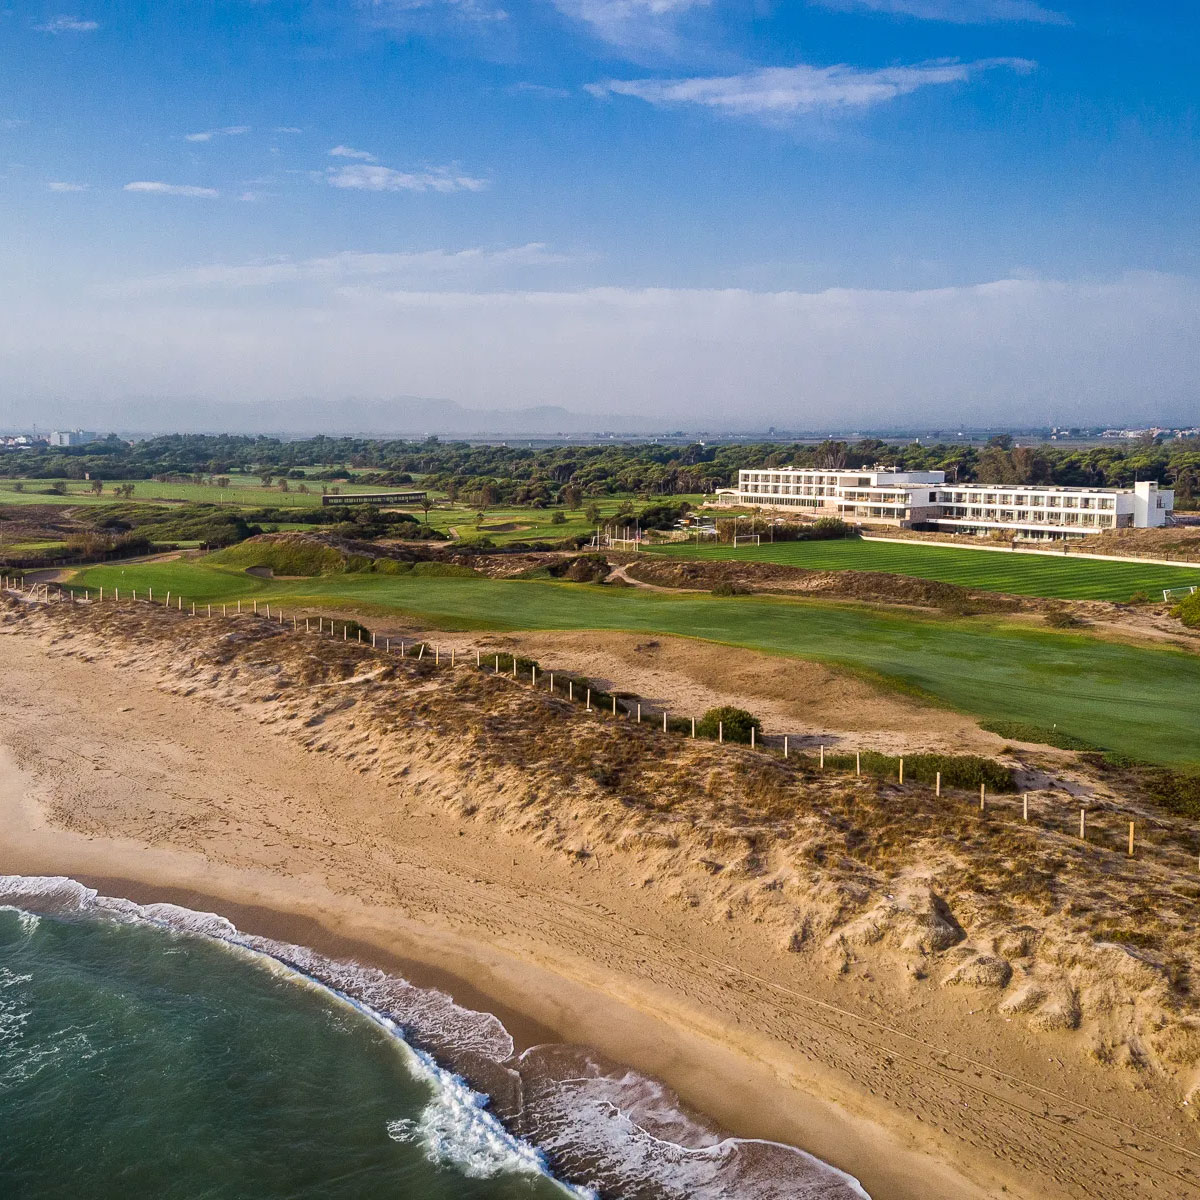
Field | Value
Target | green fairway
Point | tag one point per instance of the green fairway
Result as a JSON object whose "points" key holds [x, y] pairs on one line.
{"points": [[1064, 577], [1142, 702], [242, 490]]}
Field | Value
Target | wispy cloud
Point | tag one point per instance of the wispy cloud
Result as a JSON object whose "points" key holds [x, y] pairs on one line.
{"points": [[375, 178], [171, 189], [287, 129], [641, 24], [65, 24], [777, 94], [957, 12], [346, 267], [403, 14], [350, 152], [61, 186], [207, 135]]}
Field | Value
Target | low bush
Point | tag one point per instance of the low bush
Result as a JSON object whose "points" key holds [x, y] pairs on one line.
{"points": [[732, 724], [1023, 731], [726, 588], [587, 568], [1188, 611], [957, 770]]}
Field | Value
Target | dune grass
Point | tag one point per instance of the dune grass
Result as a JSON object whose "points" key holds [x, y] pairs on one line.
{"points": [[1064, 578], [1141, 702]]}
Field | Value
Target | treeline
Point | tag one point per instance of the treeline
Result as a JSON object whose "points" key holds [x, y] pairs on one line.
{"points": [[486, 475]]}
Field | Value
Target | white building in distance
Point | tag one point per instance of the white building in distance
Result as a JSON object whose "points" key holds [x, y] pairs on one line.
{"points": [[72, 437], [924, 499]]}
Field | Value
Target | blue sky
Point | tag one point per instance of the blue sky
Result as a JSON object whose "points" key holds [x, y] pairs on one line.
{"points": [[887, 209]]}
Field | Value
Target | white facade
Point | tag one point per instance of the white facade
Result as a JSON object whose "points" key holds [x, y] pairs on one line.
{"points": [[907, 498], [72, 437]]}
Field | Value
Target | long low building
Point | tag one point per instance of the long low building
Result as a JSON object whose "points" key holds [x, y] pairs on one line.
{"points": [[923, 499]]}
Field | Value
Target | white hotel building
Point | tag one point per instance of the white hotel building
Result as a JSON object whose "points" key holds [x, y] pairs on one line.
{"points": [[924, 499]]}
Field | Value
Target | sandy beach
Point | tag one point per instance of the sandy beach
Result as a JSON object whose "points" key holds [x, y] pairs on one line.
{"points": [[112, 774]]}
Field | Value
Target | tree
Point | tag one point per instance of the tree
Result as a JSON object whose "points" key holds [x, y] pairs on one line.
{"points": [[426, 505], [97, 486], [223, 481], [592, 513], [571, 495]]}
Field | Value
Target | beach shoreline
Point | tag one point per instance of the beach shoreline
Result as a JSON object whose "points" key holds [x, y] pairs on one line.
{"points": [[113, 774]]}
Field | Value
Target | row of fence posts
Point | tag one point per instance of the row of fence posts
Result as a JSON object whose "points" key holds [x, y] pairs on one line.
{"points": [[41, 589]]}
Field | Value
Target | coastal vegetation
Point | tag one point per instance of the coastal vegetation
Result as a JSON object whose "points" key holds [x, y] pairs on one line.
{"points": [[1140, 701], [570, 474]]}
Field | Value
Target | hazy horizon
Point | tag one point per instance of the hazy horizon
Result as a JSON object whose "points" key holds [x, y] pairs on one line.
{"points": [[666, 212]]}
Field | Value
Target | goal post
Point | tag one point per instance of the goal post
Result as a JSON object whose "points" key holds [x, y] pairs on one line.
{"points": [[1171, 593], [753, 539]]}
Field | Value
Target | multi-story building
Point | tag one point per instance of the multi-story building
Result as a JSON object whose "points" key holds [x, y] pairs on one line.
{"points": [[72, 437], [924, 499]]}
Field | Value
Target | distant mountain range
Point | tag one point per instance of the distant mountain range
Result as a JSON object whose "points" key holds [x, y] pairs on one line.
{"points": [[402, 417]]}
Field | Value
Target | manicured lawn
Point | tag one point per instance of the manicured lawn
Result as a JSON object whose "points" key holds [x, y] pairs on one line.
{"points": [[243, 489], [1143, 702], [1064, 577]]}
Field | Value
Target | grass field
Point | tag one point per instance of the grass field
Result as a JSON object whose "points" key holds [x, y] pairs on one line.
{"points": [[501, 525], [1065, 578], [1142, 702], [243, 490]]}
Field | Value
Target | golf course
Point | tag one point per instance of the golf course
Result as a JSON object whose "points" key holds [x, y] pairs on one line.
{"points": [[1064, 577], [1139, 701]]}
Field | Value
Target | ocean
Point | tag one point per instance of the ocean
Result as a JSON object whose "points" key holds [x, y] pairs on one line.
{"points": [[152, 1051]]}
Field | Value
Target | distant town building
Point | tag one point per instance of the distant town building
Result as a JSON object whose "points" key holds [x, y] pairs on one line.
{"points": [[923, 499], [72, 437]]}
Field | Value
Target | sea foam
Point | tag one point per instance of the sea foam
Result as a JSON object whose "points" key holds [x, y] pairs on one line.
{"points": [[567, 1113]]}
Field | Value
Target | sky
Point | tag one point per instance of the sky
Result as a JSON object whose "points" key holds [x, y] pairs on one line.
{"points": [[718, 214]]}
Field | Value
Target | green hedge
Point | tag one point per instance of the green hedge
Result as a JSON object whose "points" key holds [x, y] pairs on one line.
{"points": [[957, 770]]}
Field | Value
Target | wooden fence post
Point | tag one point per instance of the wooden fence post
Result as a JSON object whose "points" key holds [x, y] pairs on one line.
{"points": [[751, 737], [1083, 823], [901, 768], [664, 720], [982, 796], [639, 713], [1130, 839], [937, 787], [858, 762], [1024, 806], [589, 700], [614, 706], [571, 690], [822, 758], [693, 727], [785, 745], [720, 731]]}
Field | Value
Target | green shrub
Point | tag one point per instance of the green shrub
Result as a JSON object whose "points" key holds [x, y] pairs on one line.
{"points": [[725, 588], [443, 570], [957, 770], [1188, 610], [1023, 731], [587, 568], [293, 556], [733, 724]]}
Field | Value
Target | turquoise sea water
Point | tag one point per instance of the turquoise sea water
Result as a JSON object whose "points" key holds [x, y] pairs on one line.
{"points": [[155, 1052]]}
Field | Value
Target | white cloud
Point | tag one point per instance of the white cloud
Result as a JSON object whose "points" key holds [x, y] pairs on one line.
{"points": [[61, 186], [1013, 350], [777, 94], [642, 24], [384, 179], [287, 129], [68, 25], [347, 265], [350, 152], [171, 189], [958, 12], [208, 134]]}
